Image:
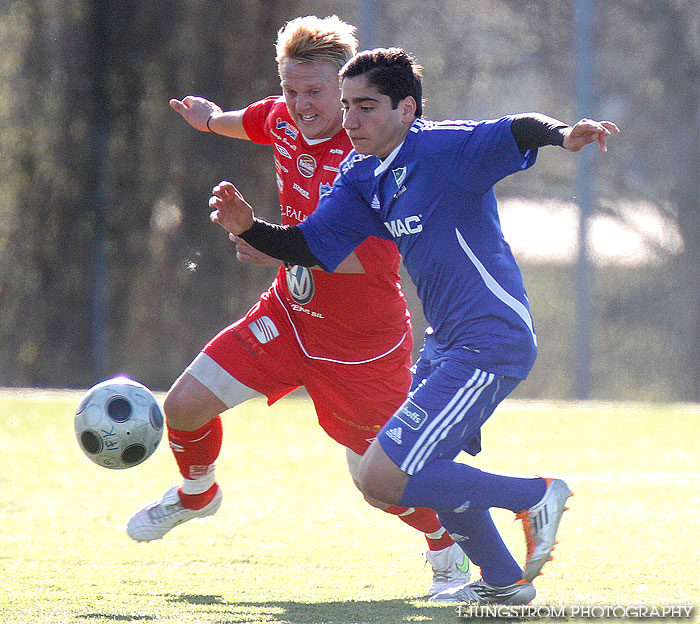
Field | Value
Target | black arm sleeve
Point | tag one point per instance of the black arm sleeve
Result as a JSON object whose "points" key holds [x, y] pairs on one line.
{"points": [[284, 242], [533, 130]]}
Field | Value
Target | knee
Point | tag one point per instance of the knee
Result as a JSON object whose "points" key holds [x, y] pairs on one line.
{"points": [[378, 493], [176, 408], [380, 480], [372, 501]]}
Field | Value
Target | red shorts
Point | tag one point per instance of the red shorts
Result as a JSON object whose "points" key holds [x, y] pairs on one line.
{"points": [[352, 401]]}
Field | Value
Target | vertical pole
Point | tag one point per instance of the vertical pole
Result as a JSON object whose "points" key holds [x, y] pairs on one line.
{"points": [[584, 22], [370, 14], [99, 198]]}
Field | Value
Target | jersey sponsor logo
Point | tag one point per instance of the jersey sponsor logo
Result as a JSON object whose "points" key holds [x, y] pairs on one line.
{"points": [[300, 282], [264, 329], [301, 191], [335, 150], [395, 434], [312, 313], [306, 164], [292, 213], [283, 150], [409, 225], [288, 128], [324, 188], [333, 169], [411, 414]]}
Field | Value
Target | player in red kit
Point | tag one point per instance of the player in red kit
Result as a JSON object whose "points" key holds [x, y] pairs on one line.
{"points": [[345, 337]]}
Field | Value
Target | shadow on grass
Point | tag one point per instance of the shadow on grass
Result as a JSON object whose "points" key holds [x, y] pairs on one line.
{"points": [[346, 612], [114, 617]]}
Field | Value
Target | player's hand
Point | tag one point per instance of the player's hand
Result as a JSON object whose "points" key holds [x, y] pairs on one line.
{"points": [[248, 254], [229, 209], [588, 131], [196, 111]]}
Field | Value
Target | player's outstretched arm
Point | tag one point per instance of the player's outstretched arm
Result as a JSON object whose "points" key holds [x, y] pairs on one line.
{"points": [[588, 131], [207, 116]]}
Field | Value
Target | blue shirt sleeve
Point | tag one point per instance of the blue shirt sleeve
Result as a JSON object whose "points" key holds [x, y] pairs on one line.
{"points": [[491, 153], [341, 221]]}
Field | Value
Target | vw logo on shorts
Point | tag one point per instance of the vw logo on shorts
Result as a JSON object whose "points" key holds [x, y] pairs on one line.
{"points": [[300, 282]]}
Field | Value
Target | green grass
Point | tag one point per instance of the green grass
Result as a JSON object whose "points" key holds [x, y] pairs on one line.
{"points": [[294, 542]]}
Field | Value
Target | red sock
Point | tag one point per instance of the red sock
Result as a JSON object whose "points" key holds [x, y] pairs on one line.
{"points": [[426, 521], [195, 453]]}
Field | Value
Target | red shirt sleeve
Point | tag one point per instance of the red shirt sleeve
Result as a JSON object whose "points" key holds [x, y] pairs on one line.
{"points": [[255, 119]]}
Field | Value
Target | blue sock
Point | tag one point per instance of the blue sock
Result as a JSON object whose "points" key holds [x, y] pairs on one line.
{"points": [[445, 485], [478, 537]]}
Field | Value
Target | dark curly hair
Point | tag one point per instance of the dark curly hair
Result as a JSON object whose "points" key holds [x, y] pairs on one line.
{"points": [[393, 71]]}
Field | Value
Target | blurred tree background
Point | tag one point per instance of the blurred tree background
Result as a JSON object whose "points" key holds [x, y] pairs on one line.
{"points": [[103, 189]]}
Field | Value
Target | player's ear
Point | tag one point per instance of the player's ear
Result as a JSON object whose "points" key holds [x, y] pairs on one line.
{"points": [[408, 109]]}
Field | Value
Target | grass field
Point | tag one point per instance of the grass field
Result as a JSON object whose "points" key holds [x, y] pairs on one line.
{"points": [[294, 543]]}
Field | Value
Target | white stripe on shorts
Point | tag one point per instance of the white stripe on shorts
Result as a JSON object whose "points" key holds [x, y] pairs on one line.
{"points": [[216, 378], [453, 413]]}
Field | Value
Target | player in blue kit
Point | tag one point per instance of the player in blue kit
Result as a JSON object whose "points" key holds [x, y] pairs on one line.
{"points": [[428, 186]]}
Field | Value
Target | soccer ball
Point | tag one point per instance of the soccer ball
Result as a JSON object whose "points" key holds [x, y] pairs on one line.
{"points": [[118, 423]]}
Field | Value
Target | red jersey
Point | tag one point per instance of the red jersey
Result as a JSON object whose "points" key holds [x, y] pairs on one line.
{"points": [[340, 317]]}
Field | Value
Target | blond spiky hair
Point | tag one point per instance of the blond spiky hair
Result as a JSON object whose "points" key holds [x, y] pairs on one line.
{"points": [[312, 39]]}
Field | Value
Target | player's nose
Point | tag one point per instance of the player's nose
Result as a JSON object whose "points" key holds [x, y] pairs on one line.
{"points": [[303, 103], [350, 120]]}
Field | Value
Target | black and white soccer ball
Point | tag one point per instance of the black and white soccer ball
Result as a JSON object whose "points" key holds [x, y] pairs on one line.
{"points": [[118, 423]]}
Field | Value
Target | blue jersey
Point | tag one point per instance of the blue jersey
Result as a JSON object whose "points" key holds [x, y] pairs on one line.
{"points": [[433, 196]]}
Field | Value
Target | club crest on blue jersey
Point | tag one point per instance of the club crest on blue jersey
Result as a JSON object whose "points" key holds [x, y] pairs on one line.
{"points": [[399, 177]]}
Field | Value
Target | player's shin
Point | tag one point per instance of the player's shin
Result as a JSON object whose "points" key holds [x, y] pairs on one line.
{"points": [[445, 485], [195, 453]]}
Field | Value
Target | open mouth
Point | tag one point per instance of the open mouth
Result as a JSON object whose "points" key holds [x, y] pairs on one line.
{"points": [[307, 118]]}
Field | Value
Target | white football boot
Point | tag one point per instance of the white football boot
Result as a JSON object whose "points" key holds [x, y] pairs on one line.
{"points": [[480, 592], [450, 568], [155, 520], [540, 524]]}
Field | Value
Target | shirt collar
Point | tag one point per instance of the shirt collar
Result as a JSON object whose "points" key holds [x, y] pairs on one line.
{"points": [[386, 163]]}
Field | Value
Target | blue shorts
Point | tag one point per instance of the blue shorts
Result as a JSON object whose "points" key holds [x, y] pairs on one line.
{"points": [[448, 402]]}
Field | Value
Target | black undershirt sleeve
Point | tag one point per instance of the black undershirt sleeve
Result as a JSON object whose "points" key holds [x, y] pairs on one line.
{"points": [[533, 130], [284, 242], [287, 243]]}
